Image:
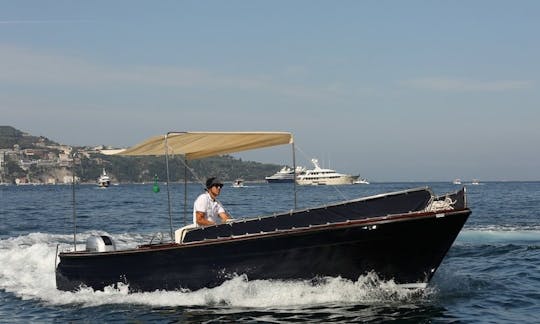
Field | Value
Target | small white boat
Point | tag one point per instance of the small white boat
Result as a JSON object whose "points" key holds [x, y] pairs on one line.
{"points": [[238, 183], [361, 181], [457, 181], [475, 182], [320, 176], [104, 180]]}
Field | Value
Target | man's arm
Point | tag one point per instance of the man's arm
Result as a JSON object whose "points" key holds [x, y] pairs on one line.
{"points": [[224, 217], [201, 219]]}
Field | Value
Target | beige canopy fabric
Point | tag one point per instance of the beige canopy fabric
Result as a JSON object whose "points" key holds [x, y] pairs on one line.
{"points": [[197, 145]]}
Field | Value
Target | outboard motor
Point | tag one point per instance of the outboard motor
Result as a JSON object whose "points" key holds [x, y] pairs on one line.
{"points": [[101, 243]]}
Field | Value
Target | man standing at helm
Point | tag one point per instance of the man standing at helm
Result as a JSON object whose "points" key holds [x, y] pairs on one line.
{"points": [[206, 209]]}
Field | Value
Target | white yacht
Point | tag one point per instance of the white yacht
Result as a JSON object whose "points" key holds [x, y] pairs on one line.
{"points": [[104, 180], [286, 174], [475, 182], [320, 176], [457, 181]]}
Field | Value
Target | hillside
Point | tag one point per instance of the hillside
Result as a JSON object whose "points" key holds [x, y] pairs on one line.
{"points": [[143, 169], [10, 136], [39, 160]]}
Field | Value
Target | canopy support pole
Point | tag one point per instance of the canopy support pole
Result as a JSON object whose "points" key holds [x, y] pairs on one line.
{"points": [[185, 191], [294, 173], [168, 191], [74, 204]]}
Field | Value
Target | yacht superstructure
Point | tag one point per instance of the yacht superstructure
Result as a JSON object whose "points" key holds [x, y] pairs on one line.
{"points": [[321, 176]]}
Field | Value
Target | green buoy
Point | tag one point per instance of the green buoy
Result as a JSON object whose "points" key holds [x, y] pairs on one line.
{"points": [[156, 185]]}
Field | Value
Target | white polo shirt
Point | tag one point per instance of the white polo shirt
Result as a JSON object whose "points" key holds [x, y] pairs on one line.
{"points": [[210, 207]]}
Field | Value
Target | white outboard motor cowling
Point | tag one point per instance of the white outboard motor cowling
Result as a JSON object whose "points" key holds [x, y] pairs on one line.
{"points": [[102, 243]]}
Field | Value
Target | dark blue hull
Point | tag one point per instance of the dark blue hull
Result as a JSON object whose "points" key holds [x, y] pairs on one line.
{"points": [[406, 247], [279, 180]]}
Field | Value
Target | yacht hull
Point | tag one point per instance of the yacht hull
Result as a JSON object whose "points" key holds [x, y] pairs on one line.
{"points": [[334, 181]]}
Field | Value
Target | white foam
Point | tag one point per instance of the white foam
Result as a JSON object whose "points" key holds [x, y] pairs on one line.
{"points": [[28, 271]]}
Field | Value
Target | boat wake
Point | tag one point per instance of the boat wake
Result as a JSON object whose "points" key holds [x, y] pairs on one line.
{"points": [[28, 273], [488, 258], [499, 234], [28, 264]]}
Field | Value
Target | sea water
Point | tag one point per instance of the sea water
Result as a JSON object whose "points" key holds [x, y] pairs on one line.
{"points": [[491, 273]]}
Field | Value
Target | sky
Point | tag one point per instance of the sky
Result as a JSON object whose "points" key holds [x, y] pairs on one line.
{"points": [[391, 90]]}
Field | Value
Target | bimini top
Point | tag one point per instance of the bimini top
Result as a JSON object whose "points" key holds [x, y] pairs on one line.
{"points": [[197, 145]]}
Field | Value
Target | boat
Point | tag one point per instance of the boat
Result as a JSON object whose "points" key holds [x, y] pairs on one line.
{"points": [[285, 175], [320, 176], [238, 183], [361, 181], [475, 182], [401, 236], [457, 181], [104, 180]]}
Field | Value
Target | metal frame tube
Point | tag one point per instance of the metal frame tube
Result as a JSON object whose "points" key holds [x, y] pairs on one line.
{"points": [[294, 173], [168, 191], [74, 205], [185, 191]]}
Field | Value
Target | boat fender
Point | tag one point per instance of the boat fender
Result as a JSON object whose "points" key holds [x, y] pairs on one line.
{"points": [[101, 243]]}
